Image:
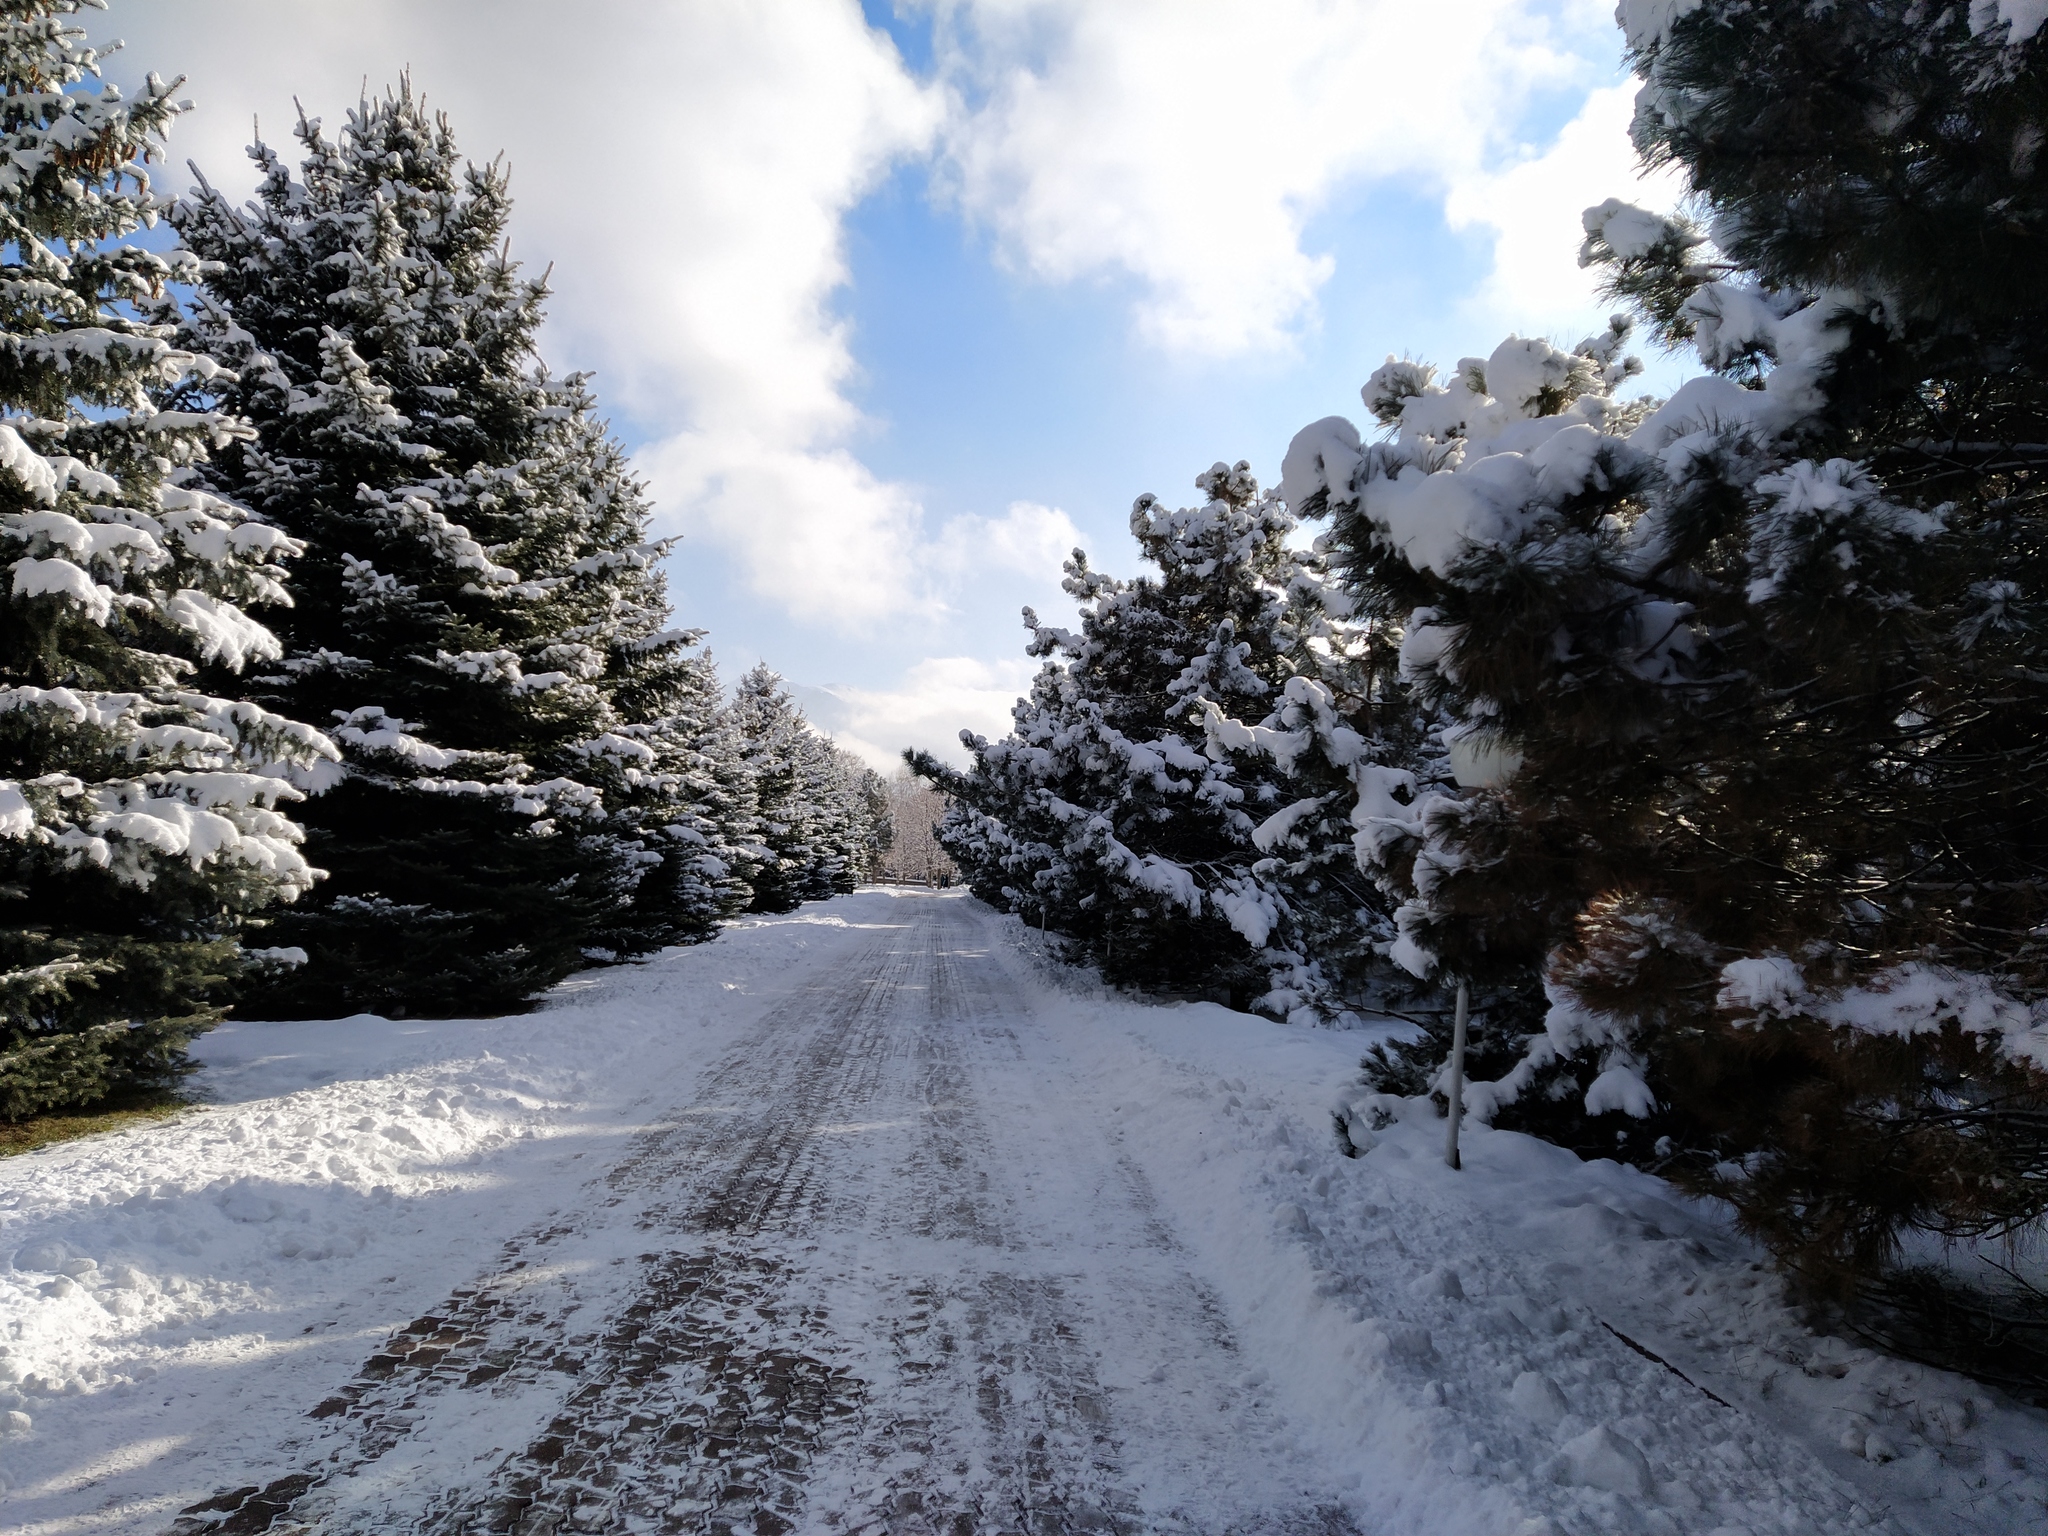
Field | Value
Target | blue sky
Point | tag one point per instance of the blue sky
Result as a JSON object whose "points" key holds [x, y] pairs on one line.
{"points": [[895, 303]]}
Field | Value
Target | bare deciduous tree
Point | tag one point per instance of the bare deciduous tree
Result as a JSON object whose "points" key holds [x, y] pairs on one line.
{"points": [[914, 852]]}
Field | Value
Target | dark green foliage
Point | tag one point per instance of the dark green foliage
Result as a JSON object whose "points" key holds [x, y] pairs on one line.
{"points": [[1881, 147], [1993, 1326], [1892, 755], [1762, 675], [1496, 1035], [489, 912], [86, 1009], [139, 829], [1503, 1022], [675, 779], [1133, 813], [532, 754]]}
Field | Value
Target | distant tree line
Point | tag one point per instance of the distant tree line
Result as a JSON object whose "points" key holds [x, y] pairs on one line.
{"points": [[915, 854]]}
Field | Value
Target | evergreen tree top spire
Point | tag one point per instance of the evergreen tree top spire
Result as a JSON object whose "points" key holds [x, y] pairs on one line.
{"points": [[386, 236], [72, 161]]}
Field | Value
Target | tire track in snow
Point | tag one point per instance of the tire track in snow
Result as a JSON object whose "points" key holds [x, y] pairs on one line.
{"points": [[998, 1422], [692, 1333], [818, 1297]]}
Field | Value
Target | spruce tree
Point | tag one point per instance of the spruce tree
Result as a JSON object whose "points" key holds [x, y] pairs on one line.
{"points": [[859, 824], [676, 784], [1131, 811], [1749, 685], [479, 609], [819, 810], [140, 829], [873, 816]]}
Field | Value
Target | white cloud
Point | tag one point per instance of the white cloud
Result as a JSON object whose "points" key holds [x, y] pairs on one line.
{"points": [[1533, 208], [812, 529], [1187, 143], [687, 168], [1028, 540], [938, 698], [688, 176]]}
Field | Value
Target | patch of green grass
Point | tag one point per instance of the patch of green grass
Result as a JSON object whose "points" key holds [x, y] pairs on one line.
{"points": [[70, 1124]]}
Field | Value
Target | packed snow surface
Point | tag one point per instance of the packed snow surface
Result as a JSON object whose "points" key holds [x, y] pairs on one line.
{"points": [[871, 1218]]}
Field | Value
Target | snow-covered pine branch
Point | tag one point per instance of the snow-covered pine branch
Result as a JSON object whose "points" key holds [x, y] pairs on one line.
{"points": [[1742, 688], [143, 823]]}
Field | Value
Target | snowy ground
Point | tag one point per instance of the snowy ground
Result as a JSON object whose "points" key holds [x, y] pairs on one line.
{"points": [[865, 1219]]}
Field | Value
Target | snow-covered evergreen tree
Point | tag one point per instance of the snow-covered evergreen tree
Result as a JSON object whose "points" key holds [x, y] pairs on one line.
{"points": [[820, 811], [1398, 797], [1745, 689], [864, 814], [479, 608], [1132, 810], [675, 780], [140, 829], [768, 729]]}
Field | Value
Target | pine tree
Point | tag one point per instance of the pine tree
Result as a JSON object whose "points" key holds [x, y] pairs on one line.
{"points": [[1131, 811], [820, 810], [1748, 685], [140, 830], [1891, 1048], [1411, 798], [675, 781], [479, 607]]}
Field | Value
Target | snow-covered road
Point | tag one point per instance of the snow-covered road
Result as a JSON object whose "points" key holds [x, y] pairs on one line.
{"points": [[864, 1219]]}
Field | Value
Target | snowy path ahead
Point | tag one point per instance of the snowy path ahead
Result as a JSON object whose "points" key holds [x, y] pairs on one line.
{"points": [[863, 1220], [859, 1270]]}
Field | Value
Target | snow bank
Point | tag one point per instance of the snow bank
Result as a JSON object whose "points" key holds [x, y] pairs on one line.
{"points": [[1536, 1344], [197, 1284]]}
